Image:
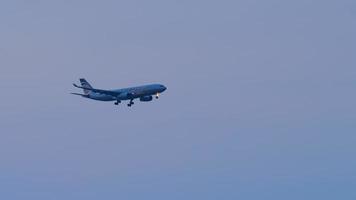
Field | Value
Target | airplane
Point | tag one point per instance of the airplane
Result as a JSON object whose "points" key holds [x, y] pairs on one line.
{"points": [[144, 93]]}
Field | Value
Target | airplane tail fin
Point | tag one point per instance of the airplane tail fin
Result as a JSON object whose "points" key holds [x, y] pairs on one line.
{"points": [[85, 84]]}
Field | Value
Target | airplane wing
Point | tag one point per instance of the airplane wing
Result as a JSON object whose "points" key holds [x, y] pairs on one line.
{"points": [[106, 92]]}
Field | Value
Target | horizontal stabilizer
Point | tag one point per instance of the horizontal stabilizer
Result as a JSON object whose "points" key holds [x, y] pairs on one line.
{"points": [[83, 95], [75, 85]]}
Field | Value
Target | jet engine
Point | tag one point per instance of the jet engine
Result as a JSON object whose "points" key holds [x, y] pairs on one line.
{"points": [[146, 98]]}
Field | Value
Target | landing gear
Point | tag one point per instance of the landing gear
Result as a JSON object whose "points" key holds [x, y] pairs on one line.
{"points": [[117, 102], [157, 95], [131, 103]]}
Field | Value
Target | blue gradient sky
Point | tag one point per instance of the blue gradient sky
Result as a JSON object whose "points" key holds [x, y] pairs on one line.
{"points": [[261, 100]]}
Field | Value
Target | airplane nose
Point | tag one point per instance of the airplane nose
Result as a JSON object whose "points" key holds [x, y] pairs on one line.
{"points": [[162, 88]]}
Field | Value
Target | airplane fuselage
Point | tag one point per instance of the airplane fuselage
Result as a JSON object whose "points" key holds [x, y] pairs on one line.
{"points": [[129, 93]]}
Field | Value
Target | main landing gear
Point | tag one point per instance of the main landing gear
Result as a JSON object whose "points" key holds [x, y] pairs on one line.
{"points": [[131, 103]]}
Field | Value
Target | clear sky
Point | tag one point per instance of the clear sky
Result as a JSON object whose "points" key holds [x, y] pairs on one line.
{"points": [[261, 100]]}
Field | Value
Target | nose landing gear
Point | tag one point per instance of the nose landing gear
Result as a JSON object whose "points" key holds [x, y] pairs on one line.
{"points": [[157, 95]]}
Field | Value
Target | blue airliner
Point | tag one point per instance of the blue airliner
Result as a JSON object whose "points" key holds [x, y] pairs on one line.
{"points": [[144, 93]]}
